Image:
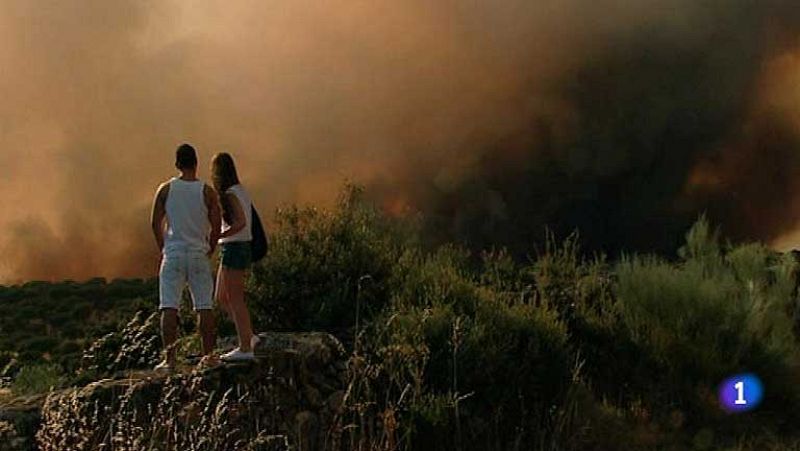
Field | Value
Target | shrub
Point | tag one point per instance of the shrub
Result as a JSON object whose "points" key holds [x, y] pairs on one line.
{"points": [[717, 312], [489, 380], [320, 263], [486, 369], [441, 278], [35, 379]]}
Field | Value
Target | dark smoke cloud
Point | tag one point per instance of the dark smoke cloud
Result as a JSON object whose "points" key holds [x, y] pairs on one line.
{"points": [[651, 113], [623, 119]]}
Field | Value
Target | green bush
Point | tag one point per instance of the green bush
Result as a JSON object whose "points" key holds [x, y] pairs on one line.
{"points": [[716, 313], [485, 367], [441, 278], [34, 379], [683, 313], [582, 292], [320, 264]]}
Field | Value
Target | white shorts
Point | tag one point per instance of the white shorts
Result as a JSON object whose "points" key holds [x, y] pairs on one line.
{"points": [[179, 268]]}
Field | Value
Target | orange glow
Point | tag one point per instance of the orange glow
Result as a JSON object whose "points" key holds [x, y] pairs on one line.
{"points": [[703, 178]]}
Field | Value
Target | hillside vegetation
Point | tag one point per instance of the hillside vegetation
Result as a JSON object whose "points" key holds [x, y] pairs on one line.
{"points": [[453, 350], [44, 327]]}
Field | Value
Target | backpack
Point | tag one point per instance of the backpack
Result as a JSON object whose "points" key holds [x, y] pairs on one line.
{"points": [[260, 243]]}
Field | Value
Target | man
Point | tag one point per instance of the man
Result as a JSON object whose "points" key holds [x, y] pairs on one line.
{"points": [[186, 225]]}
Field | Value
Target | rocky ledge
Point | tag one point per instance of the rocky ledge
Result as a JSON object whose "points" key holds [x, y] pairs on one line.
{"points": [[290, 397]]}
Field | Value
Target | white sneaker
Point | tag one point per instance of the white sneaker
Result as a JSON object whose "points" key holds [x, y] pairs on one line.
{"points": [[237, 355], [164, 367], [208, 361]]}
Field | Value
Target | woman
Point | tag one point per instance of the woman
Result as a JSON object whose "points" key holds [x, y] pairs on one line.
{"points": [[235, 253]]}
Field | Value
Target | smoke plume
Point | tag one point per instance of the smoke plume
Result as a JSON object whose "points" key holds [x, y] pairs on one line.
{"points": [[493, 118]]}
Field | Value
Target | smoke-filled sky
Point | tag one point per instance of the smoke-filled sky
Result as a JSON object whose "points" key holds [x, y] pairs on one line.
{"points": [[495, 118]]}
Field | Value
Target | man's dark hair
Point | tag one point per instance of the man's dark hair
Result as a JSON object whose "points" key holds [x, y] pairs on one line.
{"points": [[185, 157]]}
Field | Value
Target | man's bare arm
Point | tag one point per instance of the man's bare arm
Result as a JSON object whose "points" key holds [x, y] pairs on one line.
{"points": [[159, 214], [214, 216]]}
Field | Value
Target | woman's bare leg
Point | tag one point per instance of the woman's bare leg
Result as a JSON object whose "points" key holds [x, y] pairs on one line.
{"points": [[234, 288], [221, 291]]}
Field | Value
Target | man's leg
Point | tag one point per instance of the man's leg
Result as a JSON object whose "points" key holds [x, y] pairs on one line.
{"points": [[171, 280], [201, 285], [169, 333], [206, 324]]}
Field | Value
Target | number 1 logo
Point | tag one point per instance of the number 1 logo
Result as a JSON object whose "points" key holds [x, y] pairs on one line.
{"points": [[741, 393], [740, 400]]}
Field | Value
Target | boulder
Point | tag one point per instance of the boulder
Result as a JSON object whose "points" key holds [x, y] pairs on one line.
{"points": [[287, 398], [19, 421]]}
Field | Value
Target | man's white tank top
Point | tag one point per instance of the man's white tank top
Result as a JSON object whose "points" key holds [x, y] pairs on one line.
{"points": [[188, 227], [246, 233]]}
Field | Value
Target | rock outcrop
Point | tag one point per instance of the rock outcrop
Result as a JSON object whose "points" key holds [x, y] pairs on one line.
{"points": [[289, 398], [19, 421]]}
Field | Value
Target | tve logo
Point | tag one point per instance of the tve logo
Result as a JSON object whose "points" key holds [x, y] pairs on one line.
{"points": [[741, 393]]}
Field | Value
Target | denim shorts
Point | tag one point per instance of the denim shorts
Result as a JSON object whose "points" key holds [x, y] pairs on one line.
{"points": [[236, 255], [181, 268]]}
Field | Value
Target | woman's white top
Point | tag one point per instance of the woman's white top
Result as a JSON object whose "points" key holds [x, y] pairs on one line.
{"points": [[246, 233]]}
